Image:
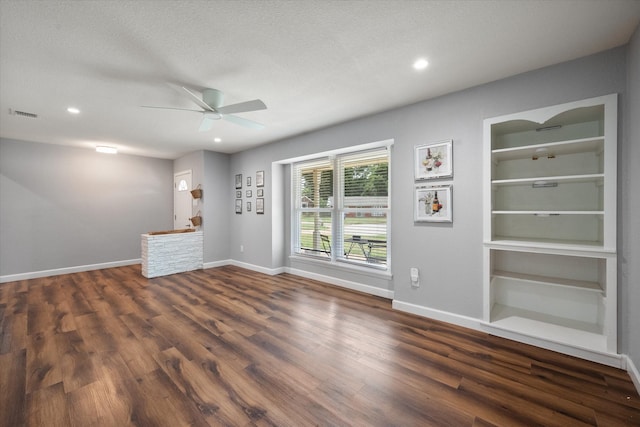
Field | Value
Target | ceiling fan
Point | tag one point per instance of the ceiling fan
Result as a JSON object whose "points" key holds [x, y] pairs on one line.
{"points": [[213, 109]]}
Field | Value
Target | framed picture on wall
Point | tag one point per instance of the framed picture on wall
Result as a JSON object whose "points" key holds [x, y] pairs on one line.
{"points": [[249, 193], [434, 160], [260, 179], [239, 194], [433, 203], [260, 206], [260, 192], [248, 206], [238, 206], [239, 180], [248, 181]]}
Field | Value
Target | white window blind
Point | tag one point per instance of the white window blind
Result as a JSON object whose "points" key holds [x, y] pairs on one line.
{"points": [[313, 207], [352, 224], [364, 206]]}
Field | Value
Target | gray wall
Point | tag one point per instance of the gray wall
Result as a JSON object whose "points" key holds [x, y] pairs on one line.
{"points": [[449, 256], [211, 171], [66, 207], [217, 185], [250, 230], [629, 225]]}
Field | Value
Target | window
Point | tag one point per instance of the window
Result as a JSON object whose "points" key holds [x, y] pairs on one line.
{"points": [[351, 227]]}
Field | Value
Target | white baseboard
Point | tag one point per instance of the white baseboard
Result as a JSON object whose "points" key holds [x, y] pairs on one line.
{"points": [[252, 267], [215, 264], [443, 316], [354, 286], [67, 270], [372, 290], [615, 360], [633, 372], [258, 268], [609, 359]]}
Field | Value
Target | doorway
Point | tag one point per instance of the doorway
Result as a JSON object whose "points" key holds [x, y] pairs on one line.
{"points": [[182, 200]]}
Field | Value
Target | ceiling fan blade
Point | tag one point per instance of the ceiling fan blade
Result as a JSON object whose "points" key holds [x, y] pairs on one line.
{"points": [[170, 108], [243, 122], [206, 124], [195, 98], [242, 107]]}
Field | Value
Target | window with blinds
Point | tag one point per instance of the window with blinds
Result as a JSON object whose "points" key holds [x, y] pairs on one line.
{"points": [[353, 226]]}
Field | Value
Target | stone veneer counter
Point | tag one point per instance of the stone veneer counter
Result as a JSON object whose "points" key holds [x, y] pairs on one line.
{"points": [[170, 253]]}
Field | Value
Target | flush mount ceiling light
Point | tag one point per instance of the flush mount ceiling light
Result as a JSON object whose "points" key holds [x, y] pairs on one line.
{"points": [[420, 64], [106, 150], [73, 110], [216, 139]]}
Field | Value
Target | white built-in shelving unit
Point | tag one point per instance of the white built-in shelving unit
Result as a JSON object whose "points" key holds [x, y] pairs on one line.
{"points": [[550, 224]]}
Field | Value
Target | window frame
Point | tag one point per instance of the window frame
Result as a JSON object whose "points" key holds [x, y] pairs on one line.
{"points": [[338, 211]]}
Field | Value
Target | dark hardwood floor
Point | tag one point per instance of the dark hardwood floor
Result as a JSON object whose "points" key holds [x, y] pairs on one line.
{"points": [[227, 346]]}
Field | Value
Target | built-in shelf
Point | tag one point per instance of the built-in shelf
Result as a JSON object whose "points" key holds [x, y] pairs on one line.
{"points": [[582, 285], [547, 213], [597, 178], [549, 224], [558, 148], [540, 243], [552, 328]]}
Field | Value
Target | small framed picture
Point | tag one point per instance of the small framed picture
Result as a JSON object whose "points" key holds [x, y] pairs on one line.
{"points": [[433, 203], [432, 161], [260, 192], [249, 193], [260, 206], [260, 179], [239, 194], [239, 180], [248, 206], [248, 181], [238, 206]]}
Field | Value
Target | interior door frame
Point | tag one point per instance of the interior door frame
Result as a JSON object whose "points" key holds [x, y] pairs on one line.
{"points": [[188, 172]]}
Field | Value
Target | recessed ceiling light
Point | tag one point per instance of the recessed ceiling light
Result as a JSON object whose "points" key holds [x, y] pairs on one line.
{"points": [[216, 139], [106, 150], [420, 64], [73, 110]]}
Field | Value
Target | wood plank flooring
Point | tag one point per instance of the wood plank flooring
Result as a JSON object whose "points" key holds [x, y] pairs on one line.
{"points": [[231, 347]]}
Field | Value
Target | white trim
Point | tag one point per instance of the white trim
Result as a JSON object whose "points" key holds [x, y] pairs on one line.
{"points": [[609, 359], [343, 265], [443, 316], [350, 149], [67, 270], [258, 268], [252, 267], [214, 264], [354, 286], [633, 371]]}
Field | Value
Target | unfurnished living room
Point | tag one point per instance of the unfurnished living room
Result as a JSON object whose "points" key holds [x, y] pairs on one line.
{"points": [[319, 213]]}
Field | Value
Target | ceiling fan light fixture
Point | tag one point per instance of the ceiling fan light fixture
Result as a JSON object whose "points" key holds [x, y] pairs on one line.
{"points": [[106, 150], [420, 64]]}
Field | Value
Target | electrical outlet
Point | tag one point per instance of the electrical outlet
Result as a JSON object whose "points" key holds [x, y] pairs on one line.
{"points": [[415, 277]]}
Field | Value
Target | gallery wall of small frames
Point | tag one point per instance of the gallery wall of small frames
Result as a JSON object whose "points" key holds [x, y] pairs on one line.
{"points": [[247, 203]]}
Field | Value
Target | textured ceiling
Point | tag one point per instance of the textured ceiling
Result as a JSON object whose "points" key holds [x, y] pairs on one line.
{"points": [[314, 63]]}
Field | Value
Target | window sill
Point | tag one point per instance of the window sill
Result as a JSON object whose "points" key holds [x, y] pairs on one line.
{"points": [[346, 266]]}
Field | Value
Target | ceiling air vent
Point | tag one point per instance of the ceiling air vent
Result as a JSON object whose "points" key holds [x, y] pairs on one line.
{"points": [[23, 114]]}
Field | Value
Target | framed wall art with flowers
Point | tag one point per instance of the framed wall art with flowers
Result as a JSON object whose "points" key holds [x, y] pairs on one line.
{"points": [[434, 160], [433, 203]]}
